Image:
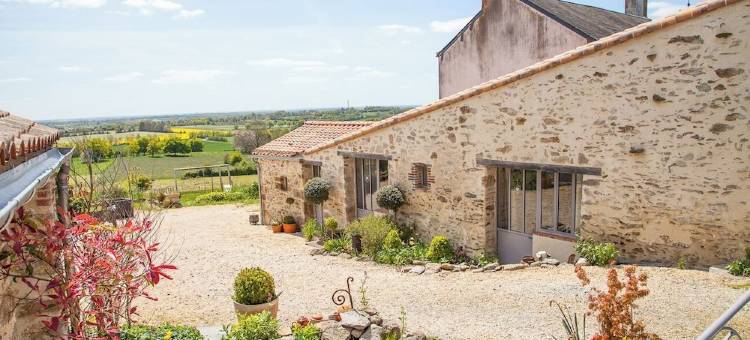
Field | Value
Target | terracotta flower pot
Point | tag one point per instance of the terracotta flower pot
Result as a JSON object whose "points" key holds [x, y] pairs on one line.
{"points": [[245, 310], [290, 228], [276, 228]]}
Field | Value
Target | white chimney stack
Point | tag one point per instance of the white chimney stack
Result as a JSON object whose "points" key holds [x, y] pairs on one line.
{"points": [[636, 7]]}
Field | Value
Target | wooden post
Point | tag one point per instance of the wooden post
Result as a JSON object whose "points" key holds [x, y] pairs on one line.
{"points": [[221, 181], [229, 175], [174, 175]]}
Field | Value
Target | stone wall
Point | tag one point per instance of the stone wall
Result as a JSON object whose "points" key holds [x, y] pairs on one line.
{"points": [[22, 321], [508, 35], [277, 201], [665, 117]]}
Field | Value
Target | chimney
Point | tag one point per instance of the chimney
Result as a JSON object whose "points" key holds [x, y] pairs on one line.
{"points": [[636, 7]]}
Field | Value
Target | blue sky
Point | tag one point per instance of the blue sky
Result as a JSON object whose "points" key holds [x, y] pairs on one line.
{"points": [[94, 58]]}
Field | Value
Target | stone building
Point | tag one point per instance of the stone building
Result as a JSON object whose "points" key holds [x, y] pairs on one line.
{"points": [[33, 176], [640, 138], [507, 35]]}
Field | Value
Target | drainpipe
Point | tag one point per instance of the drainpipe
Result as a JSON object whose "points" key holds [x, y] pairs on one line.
{"points": [[62, 192], [260, 192]]}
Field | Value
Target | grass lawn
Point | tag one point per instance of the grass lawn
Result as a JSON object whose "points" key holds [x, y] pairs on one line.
{"points": [[161, 166], [187, 199], [203, 184]]}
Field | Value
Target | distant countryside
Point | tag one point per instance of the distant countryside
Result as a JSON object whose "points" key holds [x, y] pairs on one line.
{"points": [[190, 159]]}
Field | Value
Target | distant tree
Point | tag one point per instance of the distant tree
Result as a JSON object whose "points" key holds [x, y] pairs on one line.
{"points": [[176, 146], [248, 140], [97, 149], [154, 147], [233, 158], [196, 145]]}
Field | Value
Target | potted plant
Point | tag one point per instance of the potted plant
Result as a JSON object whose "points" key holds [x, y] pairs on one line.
{"points": [[254, 292], [316, 191], [290, 225], [275, 226], [355, 231]]}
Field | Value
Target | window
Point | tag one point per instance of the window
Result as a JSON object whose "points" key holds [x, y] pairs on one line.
{"points": [[370, 175], [420, 176], [316, 170], [530, 198], [280, 183]]}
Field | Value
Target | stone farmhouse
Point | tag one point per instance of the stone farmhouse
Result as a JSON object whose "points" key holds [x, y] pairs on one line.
{"points": [[508, 35], [33, 176], [639, 138]]}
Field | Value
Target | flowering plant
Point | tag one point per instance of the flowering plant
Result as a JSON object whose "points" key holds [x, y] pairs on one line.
{"points": [[83, 279]]}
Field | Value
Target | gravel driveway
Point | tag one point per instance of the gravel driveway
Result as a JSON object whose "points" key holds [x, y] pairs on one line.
{"points": [[212, 243]]}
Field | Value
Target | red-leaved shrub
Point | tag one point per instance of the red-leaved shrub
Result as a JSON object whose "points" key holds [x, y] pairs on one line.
{"points": [[84, 278], [614, 307]]}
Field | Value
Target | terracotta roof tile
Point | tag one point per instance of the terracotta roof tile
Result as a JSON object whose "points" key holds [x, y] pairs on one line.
{"points": [[309, 135], [566, 57], [20, 136]]}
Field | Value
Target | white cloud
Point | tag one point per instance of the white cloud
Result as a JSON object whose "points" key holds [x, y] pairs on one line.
{"points": [[189, 76], [399, 29], [660, 9], [321, 68], [277, 62], [449, 26], [371, 72], [14, 80], [73, 69], [189, 14], [305, 80], [124, 77], [148, 7], [64, 3]]}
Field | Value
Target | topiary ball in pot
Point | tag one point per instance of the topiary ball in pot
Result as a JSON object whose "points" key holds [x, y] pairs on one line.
{"points": [[316, 190], [254, 292], [390, 197]]}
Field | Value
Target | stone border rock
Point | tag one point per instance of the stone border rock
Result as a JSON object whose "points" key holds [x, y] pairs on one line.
{"points": [[365, 324], [542, 260]]}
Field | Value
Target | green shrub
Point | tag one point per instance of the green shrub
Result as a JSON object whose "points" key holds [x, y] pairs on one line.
{"points": [[598, 254], [165, 331], [262, 326], [219, 197], [341, 245], [253, 286], [330, 227], [740, 267], [252, 191], [316, 190], [142, 182], [482, 259], [373, 230], [311, 229], [440, 250], [196, 145], [309, 332], [392, 240], [403, 255], [390, 197], [288, 219]]}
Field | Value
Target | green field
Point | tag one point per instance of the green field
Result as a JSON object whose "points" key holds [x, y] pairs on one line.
{"points": [[161, 166], [203, 183], [210, 127], [114, 135]]}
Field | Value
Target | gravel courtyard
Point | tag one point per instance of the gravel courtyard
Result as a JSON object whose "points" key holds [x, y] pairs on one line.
{"points": [[212, 243]]}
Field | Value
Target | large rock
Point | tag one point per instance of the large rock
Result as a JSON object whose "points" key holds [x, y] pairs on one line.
{"points": [[332, 330], [582, 262], [541, 255], [447, 266], [354, 320], [375, 332], [491, 266], [392, 326], [416, 336], [550, 261]]}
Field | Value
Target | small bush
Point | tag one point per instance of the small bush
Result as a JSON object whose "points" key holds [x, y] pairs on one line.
{"points": [[252, 191], [311, 229], [390, 197], [373, 230], [316, 190], [142, 182], [330, 227], [440, 250], [598, 254], [403, 255], [165, 331], [740, 267], [341, 245], [308, 332], [392, 240], [288, 219], [253, 286], [483, 259], [260, 326]]}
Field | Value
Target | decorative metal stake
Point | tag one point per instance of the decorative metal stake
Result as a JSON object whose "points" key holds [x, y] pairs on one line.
{"points": [[339, 296]]}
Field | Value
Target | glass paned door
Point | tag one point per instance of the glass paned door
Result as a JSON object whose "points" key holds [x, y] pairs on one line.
{"points": [[370, 175]]}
